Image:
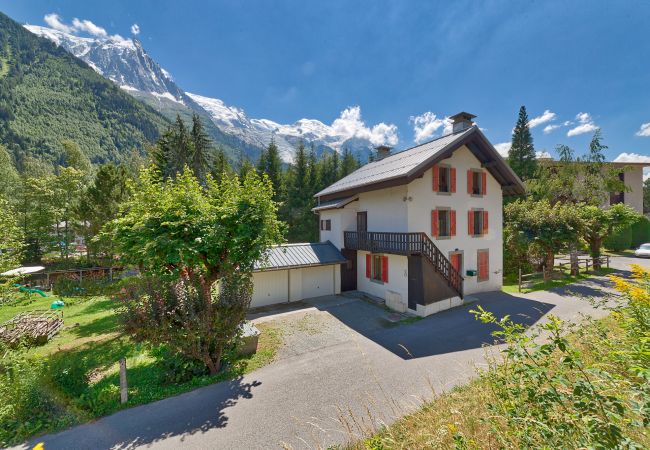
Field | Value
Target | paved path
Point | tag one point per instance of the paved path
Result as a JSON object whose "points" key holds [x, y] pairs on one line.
{"points": [[376, 372]]}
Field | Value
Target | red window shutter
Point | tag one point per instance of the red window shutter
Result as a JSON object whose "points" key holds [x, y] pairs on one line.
{"points": [[483, 265], [483, 183], [368, 265], [470, 222], [452, 175], [436, 178], [452, 225], [485, 222], [434, 223], [384, 269], [469, 182]]}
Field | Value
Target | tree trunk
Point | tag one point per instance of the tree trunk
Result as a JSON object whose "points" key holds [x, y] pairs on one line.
{"points": [[595, 252], [550, 262], [213, 365]]}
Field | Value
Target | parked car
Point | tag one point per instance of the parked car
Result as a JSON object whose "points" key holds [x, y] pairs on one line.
{"points": [[643, 251]]}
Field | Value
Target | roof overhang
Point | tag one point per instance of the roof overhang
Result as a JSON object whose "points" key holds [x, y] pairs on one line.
{"points": [[475, 141], [335, 204]]}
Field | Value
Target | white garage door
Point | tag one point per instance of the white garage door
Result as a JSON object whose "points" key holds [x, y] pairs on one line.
{"points": [[269, 288], [317, 281]]}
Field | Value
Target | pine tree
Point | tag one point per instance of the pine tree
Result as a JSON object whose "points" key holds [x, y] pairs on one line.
{"points": [[522, 153], [298, 203], [271, 164], [348, 164], [220, 166], [201, 148]]}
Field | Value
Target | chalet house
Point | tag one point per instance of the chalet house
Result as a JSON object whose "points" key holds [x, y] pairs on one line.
{"points": [[422, 228]]}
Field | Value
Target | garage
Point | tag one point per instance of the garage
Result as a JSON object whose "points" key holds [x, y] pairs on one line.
{"points": [[294, 272]]}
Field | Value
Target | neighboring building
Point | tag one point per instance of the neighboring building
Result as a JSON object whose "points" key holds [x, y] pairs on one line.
{"points": [[630, 173], [423, 227]]}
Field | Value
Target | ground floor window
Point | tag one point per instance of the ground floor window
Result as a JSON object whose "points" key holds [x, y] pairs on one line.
{"points": [[377, 267], [483, 258]]}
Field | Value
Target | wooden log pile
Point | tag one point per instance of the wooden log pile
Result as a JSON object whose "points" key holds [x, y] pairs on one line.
{"points": [[33, 327]]}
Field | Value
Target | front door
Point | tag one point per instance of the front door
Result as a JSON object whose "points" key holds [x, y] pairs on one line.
{"points": [[349, 270], [362, 221]]}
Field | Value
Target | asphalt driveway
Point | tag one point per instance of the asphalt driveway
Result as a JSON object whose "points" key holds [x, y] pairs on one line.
{"points": [[350, 362]]}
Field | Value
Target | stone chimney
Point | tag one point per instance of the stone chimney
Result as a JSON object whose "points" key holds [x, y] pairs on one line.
{"points": [[382, 152], [461, 121]]}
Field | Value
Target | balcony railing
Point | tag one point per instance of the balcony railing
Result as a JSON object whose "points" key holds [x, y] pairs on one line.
{"points": [[405, 244]]}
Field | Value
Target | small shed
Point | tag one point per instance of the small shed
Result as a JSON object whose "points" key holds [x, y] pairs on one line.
{"points": [[293, 272]]}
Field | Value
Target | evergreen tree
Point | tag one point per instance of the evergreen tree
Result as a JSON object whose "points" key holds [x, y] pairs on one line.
{"points": [[201, 148], [244, 167], [522, 153], [298, 202], [315, 184], [646, 196], [271, 164], [9, 178], [220, 166], [348, 164]]}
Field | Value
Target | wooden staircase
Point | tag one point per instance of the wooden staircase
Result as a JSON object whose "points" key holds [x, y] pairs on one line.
{"points": [[406, 244]]}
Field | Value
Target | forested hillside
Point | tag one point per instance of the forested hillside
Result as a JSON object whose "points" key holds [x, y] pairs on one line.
{"points": [[48, 96]]}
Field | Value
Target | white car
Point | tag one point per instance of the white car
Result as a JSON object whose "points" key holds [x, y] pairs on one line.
{"points": [[643, 251]]}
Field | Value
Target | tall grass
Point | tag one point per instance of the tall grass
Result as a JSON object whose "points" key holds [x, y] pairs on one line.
{"points": [[561, 386]]}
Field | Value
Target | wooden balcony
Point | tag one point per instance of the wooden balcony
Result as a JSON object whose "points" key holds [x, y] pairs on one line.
{"points": [[405, 244]]}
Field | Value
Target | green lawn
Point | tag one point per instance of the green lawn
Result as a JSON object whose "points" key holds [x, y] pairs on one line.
{"points": [[81, 371], [537, 283]]}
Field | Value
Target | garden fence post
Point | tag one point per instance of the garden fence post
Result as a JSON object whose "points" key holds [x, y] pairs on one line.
{"points": [[124, 390]]}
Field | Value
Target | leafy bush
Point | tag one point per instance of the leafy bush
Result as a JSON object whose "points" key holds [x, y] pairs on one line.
{"points": [[619, 240], [177, 367], [641, 232], [27, 406], [88, 286]]}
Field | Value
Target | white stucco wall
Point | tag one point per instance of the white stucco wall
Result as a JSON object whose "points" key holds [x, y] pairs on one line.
{"points": [[386, 208], [423, 200], [397, 277], [344, 219]]}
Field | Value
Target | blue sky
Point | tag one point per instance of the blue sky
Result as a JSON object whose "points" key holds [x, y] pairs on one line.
{"points": [[404, 63]]}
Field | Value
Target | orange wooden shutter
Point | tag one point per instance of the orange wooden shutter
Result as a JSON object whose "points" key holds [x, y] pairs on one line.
{"points": [[485, 222], [470, 222], [452, 219], [436, 178], [384, 269], [483, 183], [469, 181], [368, 265], [452, 175], [434, 223], [483, 265]]}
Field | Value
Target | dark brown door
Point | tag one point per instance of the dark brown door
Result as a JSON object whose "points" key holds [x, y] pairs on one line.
{"points": [[349, 270], [362, 221]]}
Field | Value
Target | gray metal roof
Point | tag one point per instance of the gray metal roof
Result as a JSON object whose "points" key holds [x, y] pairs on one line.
{"points": [[334, 204], [393, 166], [290, 256]]}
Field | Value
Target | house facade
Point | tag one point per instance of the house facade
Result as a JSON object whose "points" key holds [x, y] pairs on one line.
{"points": [[422, 228]]}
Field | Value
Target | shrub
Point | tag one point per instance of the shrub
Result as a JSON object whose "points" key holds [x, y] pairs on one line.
{"points": [[641, 232], [27, 406], [177, 367], [88, 286], [619, 240]]}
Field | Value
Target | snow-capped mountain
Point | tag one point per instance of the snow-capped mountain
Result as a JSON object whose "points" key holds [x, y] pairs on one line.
{"points": [[125, 62], [122, 61]]}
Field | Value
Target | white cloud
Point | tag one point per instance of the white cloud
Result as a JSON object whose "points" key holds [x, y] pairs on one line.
{"points": [[547, 116], [425, 126], [350, 125], [54, 21], [135, 29], [633, 158], [88, 27], [544, 155], [550, 128], [644, 130], [503, 148], [585, 125]]}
